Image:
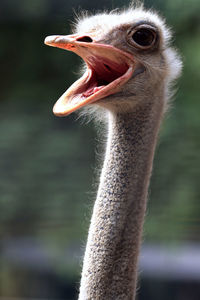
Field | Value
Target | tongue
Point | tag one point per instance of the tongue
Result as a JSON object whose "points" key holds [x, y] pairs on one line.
{"points": [[93, 90]]}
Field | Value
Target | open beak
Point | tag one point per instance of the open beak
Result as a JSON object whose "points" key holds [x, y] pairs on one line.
{"points": [[108, 68]]}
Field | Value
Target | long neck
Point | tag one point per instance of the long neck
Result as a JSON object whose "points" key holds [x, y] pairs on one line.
{"points": [[110, 262]]}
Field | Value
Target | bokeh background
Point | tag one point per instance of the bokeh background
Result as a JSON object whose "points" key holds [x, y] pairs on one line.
{"points": [[47, 182]]}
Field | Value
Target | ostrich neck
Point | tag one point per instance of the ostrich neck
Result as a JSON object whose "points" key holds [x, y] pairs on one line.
{"points": [[110, 262]]}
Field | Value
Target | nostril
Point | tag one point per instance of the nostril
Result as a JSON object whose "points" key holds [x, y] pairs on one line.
{"points": [[86, 39]]}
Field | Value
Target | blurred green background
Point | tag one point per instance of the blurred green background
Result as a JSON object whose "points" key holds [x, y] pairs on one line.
{"points": [[47, 182]]}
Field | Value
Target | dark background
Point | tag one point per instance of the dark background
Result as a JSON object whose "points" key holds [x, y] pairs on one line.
{"points": [[47, 182]]}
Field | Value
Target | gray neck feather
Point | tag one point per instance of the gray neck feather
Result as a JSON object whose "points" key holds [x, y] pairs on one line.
{"points": [[110, 262]]}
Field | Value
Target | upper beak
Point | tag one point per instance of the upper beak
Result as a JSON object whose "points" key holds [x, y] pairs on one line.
{"points": [[67, 42], [83, 45]]}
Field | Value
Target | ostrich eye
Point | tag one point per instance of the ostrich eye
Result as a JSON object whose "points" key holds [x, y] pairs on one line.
{"points": [[144, 37]]}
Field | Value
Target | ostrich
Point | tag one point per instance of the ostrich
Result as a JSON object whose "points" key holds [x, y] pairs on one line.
{"points": [[129, 68]]}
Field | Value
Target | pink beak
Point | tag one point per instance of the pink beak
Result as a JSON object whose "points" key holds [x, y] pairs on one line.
{"points": [[97, 56]]}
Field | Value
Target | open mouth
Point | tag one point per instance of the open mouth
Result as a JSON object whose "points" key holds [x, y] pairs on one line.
{"points": [[108, 68]]}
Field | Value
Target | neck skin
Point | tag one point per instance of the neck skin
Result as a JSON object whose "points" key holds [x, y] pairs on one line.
{"points": [[110, 262]]}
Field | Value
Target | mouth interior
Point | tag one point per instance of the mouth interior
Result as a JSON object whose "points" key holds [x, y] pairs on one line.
{"points": [[103, 72]]}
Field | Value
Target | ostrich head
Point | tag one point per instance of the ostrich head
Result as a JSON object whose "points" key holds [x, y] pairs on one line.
{"points": [[127, 59]]}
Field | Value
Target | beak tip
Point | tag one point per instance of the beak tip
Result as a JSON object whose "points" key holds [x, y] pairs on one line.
{"points": [[49, 40], [58, 112]]}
